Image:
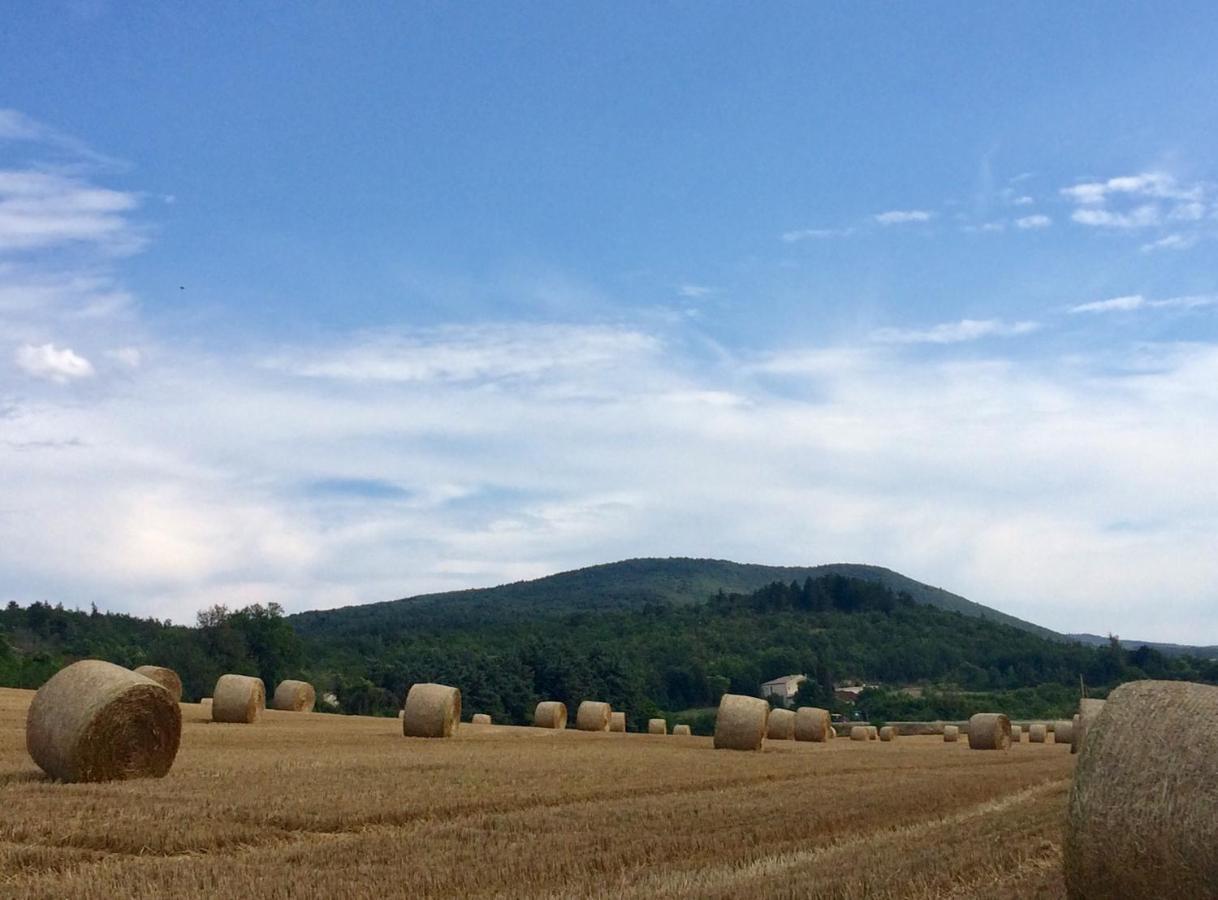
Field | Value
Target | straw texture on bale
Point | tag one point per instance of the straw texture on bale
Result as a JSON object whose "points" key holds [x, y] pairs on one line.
{"points": [[858, 733], [95, 721], [781, 725], [1016, 734], [888, 733], [166, 678], [1142, 816], [989, 731], [873, 733], [206, 701], [741, 722], [238, 698], [593, 715], [812, 724], [658, 726], [1063, 731], [951, 734], [431, 711], [681, 730], [481, 719], [617, 721], [1037, 733], [295, 696], [1087, 711], [550, 714]]}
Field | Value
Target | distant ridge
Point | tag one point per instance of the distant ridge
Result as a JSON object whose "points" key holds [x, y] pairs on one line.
{"points": [[628, 584], [1170, 649]]}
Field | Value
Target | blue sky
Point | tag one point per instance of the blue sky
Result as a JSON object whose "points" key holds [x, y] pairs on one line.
{"points": [[328, 305]]}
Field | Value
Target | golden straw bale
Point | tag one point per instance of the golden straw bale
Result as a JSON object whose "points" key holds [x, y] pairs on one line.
{"points": [[294, 696], [951, 734], [1038, 732], [1087, 711], [658, 726], [480, 719], [166, 678], [238, 698], [1142, 816], [1016, 734], [989, 731], [431, 711], [550, 714], [858, 733], [812, 724], [617, 721], [741, 722], [593, 715], [1063, 731], [682, 730], [781, 725], [888, 733], [95, 721], [873, 733]]}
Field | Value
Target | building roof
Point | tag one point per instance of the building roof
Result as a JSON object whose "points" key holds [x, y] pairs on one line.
{"points": [[785, 679]]}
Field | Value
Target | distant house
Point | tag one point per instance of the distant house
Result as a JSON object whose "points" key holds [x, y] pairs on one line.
{"points": [[783, 688]]}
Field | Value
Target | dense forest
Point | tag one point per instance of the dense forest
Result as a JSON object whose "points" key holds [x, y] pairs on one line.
{"points": [[661, 659]]}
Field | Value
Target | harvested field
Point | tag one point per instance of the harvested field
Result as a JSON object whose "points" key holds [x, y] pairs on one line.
{"points": [[310, 805]]}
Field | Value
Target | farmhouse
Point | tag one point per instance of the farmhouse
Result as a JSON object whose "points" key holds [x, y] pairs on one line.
{"points": [[783, 688]]}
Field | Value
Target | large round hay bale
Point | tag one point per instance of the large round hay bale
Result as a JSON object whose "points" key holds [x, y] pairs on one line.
{"points": [[812, 724], [166, 678], [294, 696], [1016, 734], [781, 725], [1142, 817], [682, 730], [1087, 711], [238, 698], [951, 734], [888, 733], [1037, 733], [1063, 731], [658, 726], [741, 722], [480, 719], [617, 721], [858, 733], [593, 715], [95, 721], [431, 711], [550, 714], [989, 731]]}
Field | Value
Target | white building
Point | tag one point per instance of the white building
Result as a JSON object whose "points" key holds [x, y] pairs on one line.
{"points": [[783, 688]]}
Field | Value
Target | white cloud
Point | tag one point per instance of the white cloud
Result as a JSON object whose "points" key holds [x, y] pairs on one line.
{"points": [[1115, 304], [806, 234], [694, 291], [903, 216], [1035, 221], [954, 332], [49, 362], [1147, 184], [1174, 241], [1141, 217], [43, 209]]}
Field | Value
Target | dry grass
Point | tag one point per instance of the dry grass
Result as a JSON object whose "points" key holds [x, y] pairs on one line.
{"points": [[309, 805]]}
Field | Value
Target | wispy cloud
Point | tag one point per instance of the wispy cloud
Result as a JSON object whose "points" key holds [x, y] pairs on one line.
{"points": [[1133, 302], [694, 291], [903, 216], [811, 234], [954, 332], [1129, 202], [40, 210], [1173, 241], [53, 364], [1140, 217], [1033, 222]]}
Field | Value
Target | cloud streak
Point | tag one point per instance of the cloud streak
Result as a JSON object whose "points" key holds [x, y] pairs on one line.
{"points": [[954, 332]]}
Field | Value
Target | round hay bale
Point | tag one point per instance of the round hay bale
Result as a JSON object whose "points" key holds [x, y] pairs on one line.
{"points": [[238, 698], [682, 730], [989, 731], [617, 721], [1037, 732], [1142, 816], [480, 719], [431, 711], [658, 726], [1016, 734], [166, 678], [858, 733], [294, 696], [593, 715], [95, 721], [873, 733], [812, 724], [550, 714], [951, 734], [740, 723], [1063, 731], [888, 733], [1087, 712], [781, 725]]}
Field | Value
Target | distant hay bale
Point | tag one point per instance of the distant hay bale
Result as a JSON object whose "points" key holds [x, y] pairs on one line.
{"points": [[873, 733], [431, 711], [812, 724], [832, 732], [617, 721], [206, 701], [682, 730], [740, 723], [1037, 732], [781, 725], [658, 726], [1016, 734], [294, 696], [1063, 731], [888, 733], [95, 721], [1087, 712], [858, 733], [951, 734], [1142, 816], [989, 731], [238, 698], [550, 714], [166, 678], [480, 719], [593, 715]]}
